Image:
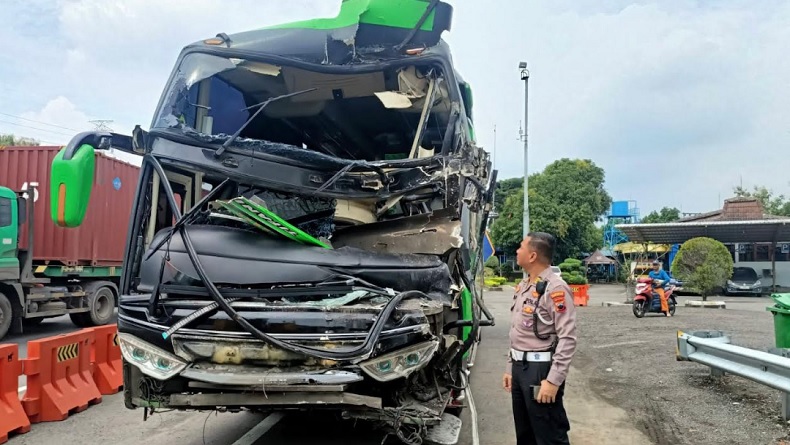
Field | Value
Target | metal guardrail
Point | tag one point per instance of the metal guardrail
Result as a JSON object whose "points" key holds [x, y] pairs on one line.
{"points": [[713, 349]]}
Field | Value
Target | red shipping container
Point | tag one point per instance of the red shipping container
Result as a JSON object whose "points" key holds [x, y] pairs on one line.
{"points": [[101, 239]]}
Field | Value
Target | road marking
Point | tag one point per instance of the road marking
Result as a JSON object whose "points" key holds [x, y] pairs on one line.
{"points": [[260, 429], [625, 343]]}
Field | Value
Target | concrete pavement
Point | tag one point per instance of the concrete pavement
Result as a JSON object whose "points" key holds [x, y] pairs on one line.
{"points": [[593, 421]]}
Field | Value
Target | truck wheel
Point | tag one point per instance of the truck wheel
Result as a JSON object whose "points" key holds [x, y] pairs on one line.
{"points": [[101, 301], [6, 315], [79, 319]]}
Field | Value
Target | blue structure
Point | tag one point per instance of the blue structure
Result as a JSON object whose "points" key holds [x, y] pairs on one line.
{"points": [[671, 258], [621, 212], [488, 247]]}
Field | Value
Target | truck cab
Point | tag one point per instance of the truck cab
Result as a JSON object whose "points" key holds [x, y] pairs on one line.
{"points": [[9, 234]]}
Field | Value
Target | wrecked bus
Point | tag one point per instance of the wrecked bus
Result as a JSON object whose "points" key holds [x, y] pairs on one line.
{"points": [[307, 230]]}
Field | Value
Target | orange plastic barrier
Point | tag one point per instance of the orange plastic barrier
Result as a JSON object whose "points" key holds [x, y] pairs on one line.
{"points": [[59, 380], [580, 301], [106, 359], [12, 417], [580, 295]]}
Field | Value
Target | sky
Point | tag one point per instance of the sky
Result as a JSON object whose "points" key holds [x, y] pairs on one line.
{"points": [[678, 100]]}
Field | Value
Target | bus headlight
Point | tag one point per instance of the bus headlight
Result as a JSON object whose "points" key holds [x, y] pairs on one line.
{"points": [[400, 363], [149, 359]]}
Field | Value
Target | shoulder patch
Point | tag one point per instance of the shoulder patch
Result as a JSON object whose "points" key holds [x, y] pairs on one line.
{"points": [[560, 306], [558, 297]]}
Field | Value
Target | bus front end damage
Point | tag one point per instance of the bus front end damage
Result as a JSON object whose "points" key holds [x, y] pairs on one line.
{"points": [[309, 224]]}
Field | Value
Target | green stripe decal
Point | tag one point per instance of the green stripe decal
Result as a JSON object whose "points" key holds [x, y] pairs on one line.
{"points": [[393, 13], [268, 221]]}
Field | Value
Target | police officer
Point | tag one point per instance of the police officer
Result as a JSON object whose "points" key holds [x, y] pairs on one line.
{"points": [[542, 342]]}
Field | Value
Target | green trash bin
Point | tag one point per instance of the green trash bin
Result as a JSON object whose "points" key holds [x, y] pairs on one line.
{"points": [[781, 311]]}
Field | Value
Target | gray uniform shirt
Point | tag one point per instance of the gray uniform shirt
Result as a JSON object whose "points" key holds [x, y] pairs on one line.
{"points": [[556, 308]]}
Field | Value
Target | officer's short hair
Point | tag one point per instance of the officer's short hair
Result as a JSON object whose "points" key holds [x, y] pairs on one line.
{"points": [[544, 244]]}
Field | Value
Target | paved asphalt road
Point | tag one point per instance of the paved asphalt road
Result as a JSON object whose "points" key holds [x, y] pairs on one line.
{"points": [[593, 420]]}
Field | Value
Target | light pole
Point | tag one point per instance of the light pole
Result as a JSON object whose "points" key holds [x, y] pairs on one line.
{"points": [[525, 77], [493, 167]]}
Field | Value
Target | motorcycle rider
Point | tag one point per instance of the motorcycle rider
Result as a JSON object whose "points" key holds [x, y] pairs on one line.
{"points": [[660, 279]]}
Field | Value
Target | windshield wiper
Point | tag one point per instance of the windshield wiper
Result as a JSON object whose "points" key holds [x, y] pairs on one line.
{"points": [[261, 106]]}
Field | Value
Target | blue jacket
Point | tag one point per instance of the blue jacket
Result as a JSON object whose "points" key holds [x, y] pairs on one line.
{"points": [[660, 275]]}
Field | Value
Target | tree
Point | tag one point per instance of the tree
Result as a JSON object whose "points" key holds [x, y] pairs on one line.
{"points": [[665, 215], [703, 264], [565, 199], [772, 205], [505, 188], [11, 140], [506, 231]]}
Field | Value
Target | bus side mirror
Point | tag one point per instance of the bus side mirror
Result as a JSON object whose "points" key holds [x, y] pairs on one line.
{"points": [[71, 181]]}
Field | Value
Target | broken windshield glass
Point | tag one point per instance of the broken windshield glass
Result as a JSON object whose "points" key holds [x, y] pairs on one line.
{"points": [[392, 114]]}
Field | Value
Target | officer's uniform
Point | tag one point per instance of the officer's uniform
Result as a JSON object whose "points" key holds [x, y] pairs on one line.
{"points": [[545, 356]]}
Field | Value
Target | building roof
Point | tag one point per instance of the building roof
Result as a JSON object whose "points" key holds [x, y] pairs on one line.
{"points": [[598, 258], [754, 231], [740, 220], [735, 209]]}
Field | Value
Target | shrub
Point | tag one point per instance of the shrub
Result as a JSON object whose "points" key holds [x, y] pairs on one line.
{"points": [[576, 279], [493, 264], [495, 281], [572, 271], [703, 264]]}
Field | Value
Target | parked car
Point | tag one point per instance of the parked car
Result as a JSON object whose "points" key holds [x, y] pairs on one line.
{"points": [[744, 281], [556, 271]]}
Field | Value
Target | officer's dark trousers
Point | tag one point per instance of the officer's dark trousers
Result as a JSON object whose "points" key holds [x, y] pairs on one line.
{"points": [[537, 423]]}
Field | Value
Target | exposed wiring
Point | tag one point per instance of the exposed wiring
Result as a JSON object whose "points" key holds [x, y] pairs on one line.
{"points": [[361, 352], [411, 433]]}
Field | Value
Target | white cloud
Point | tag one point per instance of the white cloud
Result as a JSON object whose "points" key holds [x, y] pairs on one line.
{"points": [[62, 111]]}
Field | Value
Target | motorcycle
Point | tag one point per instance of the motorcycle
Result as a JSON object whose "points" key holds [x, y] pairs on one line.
{"points": [[647, 299]]}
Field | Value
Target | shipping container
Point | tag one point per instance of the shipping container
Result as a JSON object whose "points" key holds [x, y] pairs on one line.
{"points": [[100, 240]]}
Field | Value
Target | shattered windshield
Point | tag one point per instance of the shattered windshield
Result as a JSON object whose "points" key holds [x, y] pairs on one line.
{"points": [[398, 113]]}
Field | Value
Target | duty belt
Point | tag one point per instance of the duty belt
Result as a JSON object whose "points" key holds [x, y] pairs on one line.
{"points": [[520, 356]]}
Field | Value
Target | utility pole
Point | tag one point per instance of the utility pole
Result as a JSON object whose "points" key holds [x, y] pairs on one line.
{"points": [[523, 136], [101, 124], [493, 161]]}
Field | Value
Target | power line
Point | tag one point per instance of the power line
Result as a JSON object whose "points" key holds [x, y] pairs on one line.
{"points": [[36, 128], [37, 122]]}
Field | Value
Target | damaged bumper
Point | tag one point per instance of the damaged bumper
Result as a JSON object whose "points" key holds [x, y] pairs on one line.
{"points": [[205, 373], [196, 369]]}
